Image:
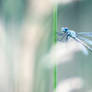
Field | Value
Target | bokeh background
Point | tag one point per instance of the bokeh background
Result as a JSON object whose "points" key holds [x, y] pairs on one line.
{"points": [[28, 51], [25, 37]]}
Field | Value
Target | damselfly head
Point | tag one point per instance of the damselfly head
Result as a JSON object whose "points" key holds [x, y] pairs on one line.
{"points": [[64, 29]]}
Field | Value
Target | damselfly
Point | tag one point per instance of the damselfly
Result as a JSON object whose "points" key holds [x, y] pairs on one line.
{"points": [[65, 34]]}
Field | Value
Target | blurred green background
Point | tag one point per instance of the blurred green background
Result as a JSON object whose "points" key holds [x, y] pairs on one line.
{"points": [[27, 44]]}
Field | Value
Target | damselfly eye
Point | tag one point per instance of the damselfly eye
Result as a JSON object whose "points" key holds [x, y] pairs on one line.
{"points": [[64, 29]]}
